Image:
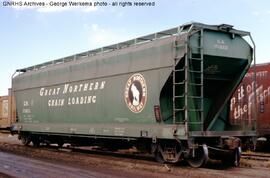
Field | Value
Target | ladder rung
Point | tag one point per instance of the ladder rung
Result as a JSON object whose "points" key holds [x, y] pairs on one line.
{"points": [[179, 83], [179, 70], [179, 109], [199, 97], [197, 47], [195, 122], [195, 71], [180, 96], [179, 122], [198, 59], [193, 110], [196, 84]]}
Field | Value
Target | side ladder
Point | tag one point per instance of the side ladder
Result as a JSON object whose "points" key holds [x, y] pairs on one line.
{"points": [[188, 72]]}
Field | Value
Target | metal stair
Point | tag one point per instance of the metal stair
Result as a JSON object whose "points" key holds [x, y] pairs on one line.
{"points": [[189, 73]]}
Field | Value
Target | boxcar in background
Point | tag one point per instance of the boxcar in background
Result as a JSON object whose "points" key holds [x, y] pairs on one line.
{"points": [[7, 111], [242, 103], [166, 93]]}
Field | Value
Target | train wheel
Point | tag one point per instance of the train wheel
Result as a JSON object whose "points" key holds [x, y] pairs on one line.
{"points": [[36, 142], [60, 144], [200, 158], [233, 159], [158, 157], [25, 140], [236, 157]]}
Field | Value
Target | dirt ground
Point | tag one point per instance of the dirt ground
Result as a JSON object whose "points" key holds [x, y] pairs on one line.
{"points": [[65, 163]]}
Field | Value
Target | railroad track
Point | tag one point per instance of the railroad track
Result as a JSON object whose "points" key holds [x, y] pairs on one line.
{"points": [[103, 152], [256, 156], [81, 155], [3, 131], [120, 154]]}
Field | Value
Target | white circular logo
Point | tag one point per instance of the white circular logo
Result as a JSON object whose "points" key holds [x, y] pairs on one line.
{"points": [[136, 93]]}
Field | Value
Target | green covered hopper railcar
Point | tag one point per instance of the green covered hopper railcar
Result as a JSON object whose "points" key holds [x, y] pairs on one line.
{"points": [[166, 93]]}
